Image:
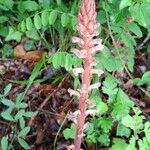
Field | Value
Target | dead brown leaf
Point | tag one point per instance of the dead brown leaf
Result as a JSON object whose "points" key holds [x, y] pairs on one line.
{"points": [[19, 51], [34, 55], [46, 88]]}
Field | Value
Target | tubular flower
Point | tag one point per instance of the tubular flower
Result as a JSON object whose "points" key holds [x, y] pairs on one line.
{"points": [[89, 44]]}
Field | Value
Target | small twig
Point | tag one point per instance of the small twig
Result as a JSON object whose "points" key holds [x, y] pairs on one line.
{"points": [[141, 46]]}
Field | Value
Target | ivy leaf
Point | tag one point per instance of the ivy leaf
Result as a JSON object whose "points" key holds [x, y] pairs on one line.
{"points": [[69, 133]]}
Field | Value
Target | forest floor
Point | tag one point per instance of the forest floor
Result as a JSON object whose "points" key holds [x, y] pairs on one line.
{"points": [[52, 101]]}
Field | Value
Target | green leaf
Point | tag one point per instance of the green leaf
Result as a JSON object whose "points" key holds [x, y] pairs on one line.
{"points": [[8, 103], [148, 47], [33, 34], [37, 21], [106, 123], [56, 60], [23, 143], [135, 29], [6, 4], [4, 143], [22, 105], [69, 133], [19, 98], [146, 78], [140, 13], [125, 3], [109, 86], [19, 114], [123, 131], [3, 19], [29, 23], [30, 5], [45, 3], [29, 114], [29, 45], [74, 21], [23, 26], [118, 144], [24, 132], [68, 62], [129, 122], [102, 108], [7, 89], [121, 106], [64, 19], [45, 17], [52, 17], [13, 35], [7, 114], [22, 122], [7, 51], [104, 139]]}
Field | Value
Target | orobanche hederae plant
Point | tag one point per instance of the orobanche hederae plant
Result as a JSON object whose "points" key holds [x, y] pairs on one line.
{"points": [[89, 44]]}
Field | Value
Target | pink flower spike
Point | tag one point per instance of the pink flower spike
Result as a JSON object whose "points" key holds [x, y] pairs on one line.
{"points": [[71, 147], [86, 125], [73, 92], [89, 102], [93, 63], [97, 48], [73, 116], [79, 53], [94, 86], [77, 40], [76, 71], [97, 71], [91, 112], [94, 42]]}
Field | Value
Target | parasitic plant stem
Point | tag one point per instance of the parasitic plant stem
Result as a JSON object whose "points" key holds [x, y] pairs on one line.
{"points": [[89, 44]]}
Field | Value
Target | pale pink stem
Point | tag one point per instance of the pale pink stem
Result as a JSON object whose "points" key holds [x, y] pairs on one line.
{"points": [[83, 98]]}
